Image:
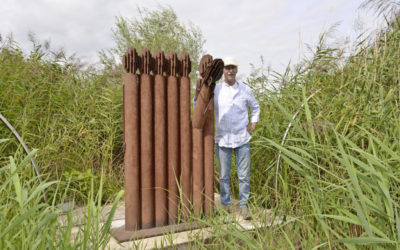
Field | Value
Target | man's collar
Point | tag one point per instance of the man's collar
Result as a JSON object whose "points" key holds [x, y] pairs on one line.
{"points": [[235, 85]]}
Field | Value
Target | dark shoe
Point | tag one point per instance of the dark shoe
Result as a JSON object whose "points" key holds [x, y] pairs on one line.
{"points": [[245, 213]]}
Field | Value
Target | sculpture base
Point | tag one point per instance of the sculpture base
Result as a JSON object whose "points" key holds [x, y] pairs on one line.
{"points": [[123, 235]]}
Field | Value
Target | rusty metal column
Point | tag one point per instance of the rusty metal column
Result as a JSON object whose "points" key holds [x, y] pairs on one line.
{"points": [[203, 103], [198, 145], [146, 140], [173, 137], [208, 138], [160, 141], [198, 173], [208, 133], [185, 133], [131, 141]]}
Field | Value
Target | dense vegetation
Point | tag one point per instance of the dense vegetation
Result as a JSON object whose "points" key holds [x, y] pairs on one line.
{"points": [[71, 116], [338, 180], [338, 176]]}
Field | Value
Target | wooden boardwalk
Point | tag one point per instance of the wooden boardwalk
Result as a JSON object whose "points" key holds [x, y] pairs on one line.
{"points": [[180, 240]]}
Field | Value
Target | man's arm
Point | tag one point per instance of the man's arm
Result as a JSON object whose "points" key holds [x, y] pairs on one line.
{"points": [[254, 111], [251, 127]]}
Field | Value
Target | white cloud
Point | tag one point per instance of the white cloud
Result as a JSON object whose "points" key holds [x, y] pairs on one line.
{"points": [[244, 29]]}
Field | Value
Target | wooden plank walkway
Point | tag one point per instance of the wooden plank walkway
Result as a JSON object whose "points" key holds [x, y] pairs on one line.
{"points": [[180, 240]]}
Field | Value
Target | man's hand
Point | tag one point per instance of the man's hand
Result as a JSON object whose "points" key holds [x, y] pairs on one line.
{"points": [[251, 127]]}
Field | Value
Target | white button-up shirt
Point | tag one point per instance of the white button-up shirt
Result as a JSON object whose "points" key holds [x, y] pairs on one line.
{"points": [[231, 113]]}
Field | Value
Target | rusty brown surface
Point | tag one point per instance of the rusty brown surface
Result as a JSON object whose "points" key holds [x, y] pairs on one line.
{"points": [[160, 141], [198, 87], [185, 65], [208, 134], [131, 60], [203, 150], [212, 74], [163, 148], [131, 156], [185, 133], [205, 62], [198, 171], [131, 140], [146, 144], [146, 141], [160, 144], [146, 63], [173, 66], [173, 138], [160, 63]]}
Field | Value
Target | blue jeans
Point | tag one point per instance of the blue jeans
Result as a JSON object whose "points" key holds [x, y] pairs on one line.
{"points": [[242, 155]]}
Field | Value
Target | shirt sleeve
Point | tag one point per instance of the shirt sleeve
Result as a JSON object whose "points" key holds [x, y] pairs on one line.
{"points": [[254, 107]]}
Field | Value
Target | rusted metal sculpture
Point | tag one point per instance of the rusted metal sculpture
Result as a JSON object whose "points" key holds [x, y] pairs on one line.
{"points": [[198, 146], [208, 141], [211, 71], [169, 159]]}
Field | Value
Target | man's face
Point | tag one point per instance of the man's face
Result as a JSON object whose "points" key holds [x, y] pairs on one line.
{"points": [[230, 72]]}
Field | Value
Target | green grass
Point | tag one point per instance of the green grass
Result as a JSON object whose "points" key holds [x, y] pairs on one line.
{"points": [[26, 222]]}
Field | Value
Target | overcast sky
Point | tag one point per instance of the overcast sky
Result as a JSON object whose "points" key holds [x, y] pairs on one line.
{"points": [[247, 30]]}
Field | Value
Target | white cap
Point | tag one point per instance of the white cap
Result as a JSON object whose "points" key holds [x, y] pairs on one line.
{"points": [[230, 61]]}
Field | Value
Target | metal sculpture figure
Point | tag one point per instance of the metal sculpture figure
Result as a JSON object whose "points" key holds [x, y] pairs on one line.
{"points": [[164, 149], [208, 137], [212, 72]]}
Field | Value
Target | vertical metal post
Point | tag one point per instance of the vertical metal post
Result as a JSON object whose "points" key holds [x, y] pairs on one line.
{"points": [[185, 133], [204, 104], [198, 172], [198, 140], [173, 137], [208, 138], [131, 141], [160, 140], [146, 140], [208, 133]]}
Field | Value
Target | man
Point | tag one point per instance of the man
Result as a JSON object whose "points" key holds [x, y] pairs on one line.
{"points": [[231, 101]]}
